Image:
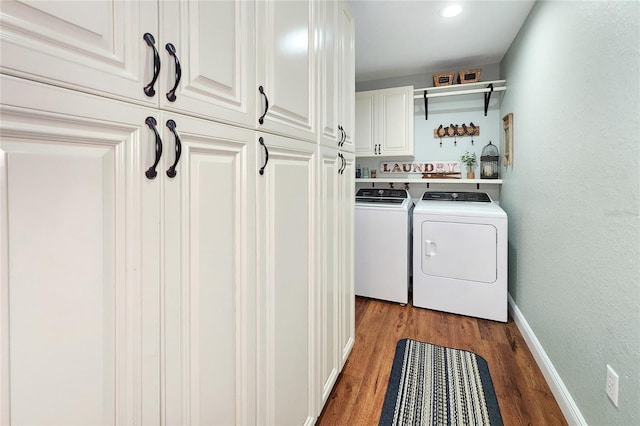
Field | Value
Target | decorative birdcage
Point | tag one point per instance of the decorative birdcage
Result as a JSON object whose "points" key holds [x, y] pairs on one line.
{"points": [[489, 162]]}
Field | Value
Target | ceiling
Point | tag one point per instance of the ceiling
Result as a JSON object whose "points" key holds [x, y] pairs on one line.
{"points": [[398, 38]]}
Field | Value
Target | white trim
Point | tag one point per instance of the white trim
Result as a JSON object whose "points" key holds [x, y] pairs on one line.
{"points": [[568, 406]]}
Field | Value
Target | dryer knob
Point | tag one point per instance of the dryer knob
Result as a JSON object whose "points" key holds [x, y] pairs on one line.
{"points": [[454, 196]]}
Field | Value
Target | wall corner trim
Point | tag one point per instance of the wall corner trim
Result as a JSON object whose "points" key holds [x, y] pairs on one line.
{"points": [[567, 405]]}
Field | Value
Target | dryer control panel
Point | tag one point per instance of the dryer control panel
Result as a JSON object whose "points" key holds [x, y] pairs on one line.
{"points": [[478, 197]]}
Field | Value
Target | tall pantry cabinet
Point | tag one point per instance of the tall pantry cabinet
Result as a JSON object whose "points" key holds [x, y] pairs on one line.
{"points": [[335, 299], [150, 274]]}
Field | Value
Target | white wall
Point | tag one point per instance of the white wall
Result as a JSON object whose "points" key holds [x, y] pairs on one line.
{"points": [[573, 194]]}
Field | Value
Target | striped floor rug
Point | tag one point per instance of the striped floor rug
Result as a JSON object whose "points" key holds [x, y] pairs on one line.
{"points": [[435, 385]]}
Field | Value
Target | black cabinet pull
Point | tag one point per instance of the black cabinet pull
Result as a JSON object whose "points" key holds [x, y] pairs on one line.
{"points": [[266, 154], [171, 94], [343, 136], [151, 172], [171, 171], [344, 163], [266, 104], [148, 89]]}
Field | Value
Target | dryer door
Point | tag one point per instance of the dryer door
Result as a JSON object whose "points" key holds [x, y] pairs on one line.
{"points": [[463, 251]]}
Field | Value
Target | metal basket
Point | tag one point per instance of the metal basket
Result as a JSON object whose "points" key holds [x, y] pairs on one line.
{"points": [[489, 162]]}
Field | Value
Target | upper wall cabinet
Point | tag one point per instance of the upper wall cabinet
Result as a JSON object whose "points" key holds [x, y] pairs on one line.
{"points": [[96, 47], [199, 60], [208, 64], [347, 70], [384, 122], [336, 75], [286, 67]]}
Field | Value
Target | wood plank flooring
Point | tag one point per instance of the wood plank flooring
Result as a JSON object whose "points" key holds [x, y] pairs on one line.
{"points": [[523, 394]]}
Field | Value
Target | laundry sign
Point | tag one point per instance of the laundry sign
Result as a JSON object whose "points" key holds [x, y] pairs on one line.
{"points": [[445, 167]]}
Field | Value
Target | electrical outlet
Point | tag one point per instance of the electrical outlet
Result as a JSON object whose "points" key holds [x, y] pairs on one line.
{"points": [[612, 385]]}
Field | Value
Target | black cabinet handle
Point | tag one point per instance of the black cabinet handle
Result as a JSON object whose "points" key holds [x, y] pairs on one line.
{"points": [[148, 89], [171, 171], [343, 136], [344, 163], [266, 155], [171, 94], [266, 104], [151, 172]]}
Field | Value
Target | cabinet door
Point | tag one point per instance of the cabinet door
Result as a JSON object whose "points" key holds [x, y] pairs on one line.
{"points": [[286, 210], [329, 91], [208, 274], [396, 120], [347, 76], [214, 47], [346, 292], [366, 122], [78, 275], [285, 49], [328, 272], [95, 46]]}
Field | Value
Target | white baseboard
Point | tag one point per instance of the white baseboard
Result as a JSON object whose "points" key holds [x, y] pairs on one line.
{"points": [[568, 406]]}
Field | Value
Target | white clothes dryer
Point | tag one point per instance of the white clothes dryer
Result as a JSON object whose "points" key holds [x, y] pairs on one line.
{"points": [[460, 254], [383, 244]]}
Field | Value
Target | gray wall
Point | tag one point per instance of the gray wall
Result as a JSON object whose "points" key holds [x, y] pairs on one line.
{"points": [[572, 195]]}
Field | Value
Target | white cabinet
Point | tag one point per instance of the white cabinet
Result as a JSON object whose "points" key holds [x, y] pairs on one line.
{"points": [[286, 212], [328, 288], [328, 75], [175, 291], [138, 290], [286, 67], [95, 47], [117, 49], [336, 76], [79, 286], [335, 298], [214, 49], [347, 72], [384, 122], [345, 244], [207, 275]]}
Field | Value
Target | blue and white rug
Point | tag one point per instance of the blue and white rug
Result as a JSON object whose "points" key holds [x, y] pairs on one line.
{"points": [[435, 385]]}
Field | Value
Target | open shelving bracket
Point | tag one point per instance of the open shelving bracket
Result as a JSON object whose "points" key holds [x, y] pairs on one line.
{"points": [[487, 88], [426, 106], [487, 98]]}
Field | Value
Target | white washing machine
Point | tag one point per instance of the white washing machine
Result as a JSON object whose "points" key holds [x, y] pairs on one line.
{"points": [[383, 244], [460, 254]]}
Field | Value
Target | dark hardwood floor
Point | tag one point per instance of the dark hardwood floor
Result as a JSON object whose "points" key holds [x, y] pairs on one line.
{"points": [[523, 394]]}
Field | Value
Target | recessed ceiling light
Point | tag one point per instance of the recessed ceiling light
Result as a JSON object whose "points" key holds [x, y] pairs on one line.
{"points": [[451, 11]]}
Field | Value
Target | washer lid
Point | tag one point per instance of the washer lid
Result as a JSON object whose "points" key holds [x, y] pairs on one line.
{"points": [[382, 196]]}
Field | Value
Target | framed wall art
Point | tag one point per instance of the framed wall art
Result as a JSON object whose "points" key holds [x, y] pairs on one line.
{"points": [[507, 140]]}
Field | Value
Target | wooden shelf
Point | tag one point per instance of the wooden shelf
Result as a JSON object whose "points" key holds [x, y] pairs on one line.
{"points": [[460, 89], [482, 88], [430, 181]]}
